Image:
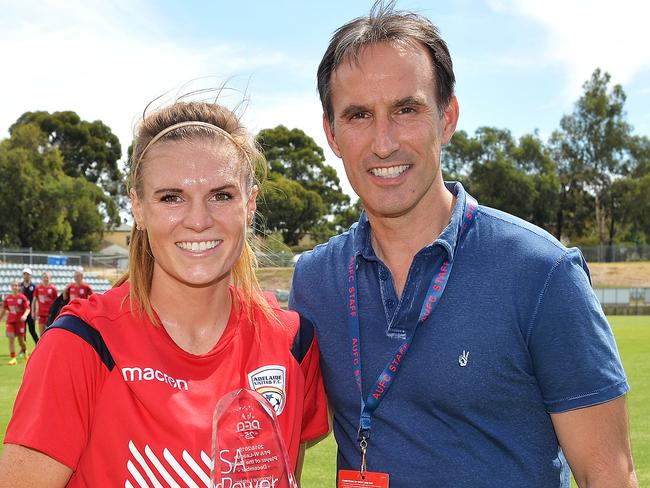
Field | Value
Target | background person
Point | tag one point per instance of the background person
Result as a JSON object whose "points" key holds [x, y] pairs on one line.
{"points": [[189, 311], [44, 295], [28, 288], [461, 346], [79, 288], [16, 307]]}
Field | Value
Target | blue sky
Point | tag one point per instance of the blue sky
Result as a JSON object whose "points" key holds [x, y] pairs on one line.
{"points": [[519, 64]]}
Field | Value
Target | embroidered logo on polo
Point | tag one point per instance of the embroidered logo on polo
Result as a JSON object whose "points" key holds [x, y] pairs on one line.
{"points": [[463, 359], [269, 381]]}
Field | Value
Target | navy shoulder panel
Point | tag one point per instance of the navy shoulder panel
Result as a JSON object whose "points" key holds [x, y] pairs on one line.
{"points": [[302, 341], [87, 333]]}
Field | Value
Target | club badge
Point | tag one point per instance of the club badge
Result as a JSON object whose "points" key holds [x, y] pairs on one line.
{"points": [[269, 381]]}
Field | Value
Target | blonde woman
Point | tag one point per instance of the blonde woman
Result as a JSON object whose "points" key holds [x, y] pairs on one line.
{"points": [[133, 375]]}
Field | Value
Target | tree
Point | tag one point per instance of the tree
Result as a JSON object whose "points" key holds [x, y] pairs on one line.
{"points": [[514, 176], [89, 149], [591, 149], [287, 207], [42, 207], [534, 158], [293, 154], [302, 194]]}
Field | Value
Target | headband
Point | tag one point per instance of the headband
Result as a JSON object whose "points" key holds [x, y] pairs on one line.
{"points": [[190, 123]]}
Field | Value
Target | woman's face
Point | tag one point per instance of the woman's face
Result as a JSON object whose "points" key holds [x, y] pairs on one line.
{"points": [[194, 205]]}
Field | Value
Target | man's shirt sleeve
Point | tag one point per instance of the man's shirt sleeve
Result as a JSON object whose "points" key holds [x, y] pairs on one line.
{"points": [[573, 350]]}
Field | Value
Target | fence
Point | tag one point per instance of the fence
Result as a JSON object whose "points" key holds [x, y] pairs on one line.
{"points": [[615, 253], [27, 256], [624, 301]]}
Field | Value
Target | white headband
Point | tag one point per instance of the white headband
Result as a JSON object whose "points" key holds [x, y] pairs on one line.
{"points": [[189, 123]]}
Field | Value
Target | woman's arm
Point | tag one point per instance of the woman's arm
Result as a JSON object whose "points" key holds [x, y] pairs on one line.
{"points": [[301, 460], [21, 467]]}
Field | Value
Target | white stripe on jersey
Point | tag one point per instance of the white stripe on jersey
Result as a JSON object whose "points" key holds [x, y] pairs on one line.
{"points": [[206, 459], [140, 459], [161, 469], [136, 474], [179, 469], [196, 468]]}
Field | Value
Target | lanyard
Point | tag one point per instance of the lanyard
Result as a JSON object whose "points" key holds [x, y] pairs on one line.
{"points": [[388, 375]]}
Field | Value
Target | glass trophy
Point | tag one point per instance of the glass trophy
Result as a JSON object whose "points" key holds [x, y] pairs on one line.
{"points": [[247, 446]]}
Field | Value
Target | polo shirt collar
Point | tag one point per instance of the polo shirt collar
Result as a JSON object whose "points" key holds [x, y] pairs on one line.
{"points": [[447, 239]]}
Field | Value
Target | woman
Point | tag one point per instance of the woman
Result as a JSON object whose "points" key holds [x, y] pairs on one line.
{"points": [[44, 296], [133, 375], [16, 307]]}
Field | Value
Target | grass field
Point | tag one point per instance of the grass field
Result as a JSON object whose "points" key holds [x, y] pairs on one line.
{"points": [[633, 338]]}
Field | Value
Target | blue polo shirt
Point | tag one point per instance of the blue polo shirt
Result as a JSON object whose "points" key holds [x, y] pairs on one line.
{"points": [[517, 335]]}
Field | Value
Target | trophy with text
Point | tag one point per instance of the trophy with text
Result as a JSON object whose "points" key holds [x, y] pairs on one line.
{"points": [[247, 446]]}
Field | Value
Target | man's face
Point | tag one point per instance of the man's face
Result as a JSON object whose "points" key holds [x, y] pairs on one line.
{"points": [[27, 277], [78, 277], [387, 127]]}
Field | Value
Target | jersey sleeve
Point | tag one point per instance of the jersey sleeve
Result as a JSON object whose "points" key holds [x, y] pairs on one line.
{"points": [[55, 404], [315, 420], [574, 353]]}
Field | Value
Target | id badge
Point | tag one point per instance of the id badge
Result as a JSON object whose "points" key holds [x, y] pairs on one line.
{"points": [[352, 479]]}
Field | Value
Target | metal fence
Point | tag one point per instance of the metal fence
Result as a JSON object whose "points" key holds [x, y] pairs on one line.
{"points": [[615, 253], [27, 256], [624, 301]]}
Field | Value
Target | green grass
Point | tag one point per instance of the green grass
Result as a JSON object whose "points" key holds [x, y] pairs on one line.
{"points": [[633, 338]]}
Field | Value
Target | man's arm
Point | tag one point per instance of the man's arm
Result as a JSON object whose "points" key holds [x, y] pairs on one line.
{"points": [[596, 442]]}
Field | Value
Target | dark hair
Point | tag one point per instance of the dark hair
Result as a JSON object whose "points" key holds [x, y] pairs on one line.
{"points": [[384, 24]]}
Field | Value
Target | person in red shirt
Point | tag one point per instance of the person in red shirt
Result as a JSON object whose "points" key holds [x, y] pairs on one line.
{"points": [[134, 374], [79, 288], [16, 307], [44, 296]]}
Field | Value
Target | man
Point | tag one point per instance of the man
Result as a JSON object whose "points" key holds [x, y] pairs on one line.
{"points": [[78, 288], [482, 355], [28, 288]]}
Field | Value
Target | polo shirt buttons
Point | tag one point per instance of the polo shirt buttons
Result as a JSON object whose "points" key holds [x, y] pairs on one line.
{"points": [[383, 275], [390, 303]]}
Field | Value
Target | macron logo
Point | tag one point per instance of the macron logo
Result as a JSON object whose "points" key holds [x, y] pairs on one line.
{"points": [[150, 374]]}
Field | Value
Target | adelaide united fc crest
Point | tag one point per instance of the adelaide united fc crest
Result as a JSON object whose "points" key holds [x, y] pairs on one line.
{"points": [[270, 382]]}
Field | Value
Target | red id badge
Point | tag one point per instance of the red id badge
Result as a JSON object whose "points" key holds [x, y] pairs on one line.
{"points": [[352, 479]]}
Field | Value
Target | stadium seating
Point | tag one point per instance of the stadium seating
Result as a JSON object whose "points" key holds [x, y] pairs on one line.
{"points": [[61, 276]]}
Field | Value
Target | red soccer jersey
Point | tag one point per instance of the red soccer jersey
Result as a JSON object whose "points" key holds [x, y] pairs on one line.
{"points": [[45, 296], [148, 418], [79, 291], [15, 305]]}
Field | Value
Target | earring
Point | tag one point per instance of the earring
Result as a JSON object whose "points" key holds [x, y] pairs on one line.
{"points": [[137, 226]]}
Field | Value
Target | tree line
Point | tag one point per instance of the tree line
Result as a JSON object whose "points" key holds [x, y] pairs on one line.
{"points": [[62, 186], [589, 184]]}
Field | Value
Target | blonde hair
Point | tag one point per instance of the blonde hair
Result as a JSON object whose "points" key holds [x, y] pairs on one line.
{"points": [[185, 121]]}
